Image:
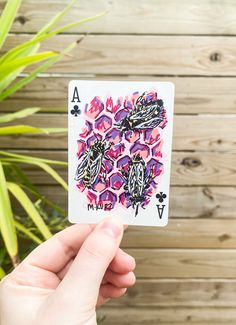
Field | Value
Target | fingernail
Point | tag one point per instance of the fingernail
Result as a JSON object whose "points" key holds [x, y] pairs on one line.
{"points": [[112, 227]]}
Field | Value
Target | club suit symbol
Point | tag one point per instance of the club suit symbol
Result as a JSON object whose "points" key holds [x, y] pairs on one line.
{"points": [[161, 197], [75, 111]]}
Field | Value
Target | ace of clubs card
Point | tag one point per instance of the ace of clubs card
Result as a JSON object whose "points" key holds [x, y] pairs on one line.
{"points": [[119, 147]]}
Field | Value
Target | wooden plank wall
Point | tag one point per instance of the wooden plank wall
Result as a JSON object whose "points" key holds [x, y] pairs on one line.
{"points": [[187, 271]]}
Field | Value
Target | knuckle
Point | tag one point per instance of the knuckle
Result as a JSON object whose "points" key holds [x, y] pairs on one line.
{"points": [[96, 247], [94, 251]]}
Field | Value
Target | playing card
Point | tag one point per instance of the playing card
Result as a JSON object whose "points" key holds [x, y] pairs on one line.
{"points": [[120, 135]]}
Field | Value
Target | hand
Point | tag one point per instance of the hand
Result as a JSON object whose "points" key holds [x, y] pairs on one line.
{"points": [[65, 279]]}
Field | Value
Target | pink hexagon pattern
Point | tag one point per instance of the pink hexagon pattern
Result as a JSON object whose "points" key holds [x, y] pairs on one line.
{"points": [[119, 138]]}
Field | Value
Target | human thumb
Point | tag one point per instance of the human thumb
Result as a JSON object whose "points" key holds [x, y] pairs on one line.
{"points": [[85, 275]]}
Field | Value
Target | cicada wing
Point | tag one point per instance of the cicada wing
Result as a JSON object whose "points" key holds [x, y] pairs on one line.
{"points": [[136, 180], [132, 181], [82, 167], [150, 124], [95, 168], [140, 175], [146, 112]]}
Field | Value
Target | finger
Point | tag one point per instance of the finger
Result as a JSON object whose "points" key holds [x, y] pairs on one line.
{"points": [[61, 274], [109, 291], [92, 261], [57, 251], [120, 280], [101, 301], [122, 262]]}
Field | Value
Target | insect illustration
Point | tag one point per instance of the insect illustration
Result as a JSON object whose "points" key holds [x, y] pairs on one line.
{"points": [[91, 163], [147, 114], [137, 181]]}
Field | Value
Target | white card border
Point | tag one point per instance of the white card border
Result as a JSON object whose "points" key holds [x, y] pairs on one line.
{"points": [[166, 92]]}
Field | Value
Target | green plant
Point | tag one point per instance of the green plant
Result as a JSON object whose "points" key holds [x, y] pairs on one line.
{"points": [[13, 179]]}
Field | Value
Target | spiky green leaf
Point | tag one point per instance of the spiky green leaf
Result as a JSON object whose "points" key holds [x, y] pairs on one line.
{"points": [[30, 209], [7, 226], [5, 118], [7, 18]]}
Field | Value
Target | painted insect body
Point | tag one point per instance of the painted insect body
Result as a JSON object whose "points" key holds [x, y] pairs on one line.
{"points": [[91, 163], [137, 181], [147, 114]]}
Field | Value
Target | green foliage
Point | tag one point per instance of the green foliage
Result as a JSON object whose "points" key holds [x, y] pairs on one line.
{"points": [[34, 224]]}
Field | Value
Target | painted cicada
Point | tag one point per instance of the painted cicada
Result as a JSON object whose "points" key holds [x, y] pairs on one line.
{"points": [[146, 114], [137, 181], [91, 163]]}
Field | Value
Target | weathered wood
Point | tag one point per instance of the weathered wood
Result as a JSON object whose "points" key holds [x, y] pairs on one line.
{"points": [[179, 292], [169, 316], [193, 95], [201, 132], [184, 263], [152, 17], [185, 202], [188, 168], [125, 54], [199, 168], [184, 233]]}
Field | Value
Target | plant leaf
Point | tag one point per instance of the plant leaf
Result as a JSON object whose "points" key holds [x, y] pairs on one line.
{"points": [[17, 175], [54, 174], [2, 273], [13, 53], [48, 169], [28, 233], [5, 118], [29, 207], [19, 129], [25, 129], [7, 226], [7, 18], [56, 19], [44, 30], [43, 67], [29, 159], [9, 79], [25, 49], [46, 201], [8, 68]]}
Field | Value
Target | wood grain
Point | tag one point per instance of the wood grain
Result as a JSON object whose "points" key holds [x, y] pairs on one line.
{"points": [[152, 17], [169, 315], [187, 168], [185, 202], [185, 263], [193, 95], [184, 233], [132, 54], [190, 133], [179, 292]]}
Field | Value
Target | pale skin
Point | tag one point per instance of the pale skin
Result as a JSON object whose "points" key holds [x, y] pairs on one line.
{"points": [[64, 280]]}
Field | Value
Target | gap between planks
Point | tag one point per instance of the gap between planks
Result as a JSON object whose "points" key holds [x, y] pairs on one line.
{"points": [[182, 55]]}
